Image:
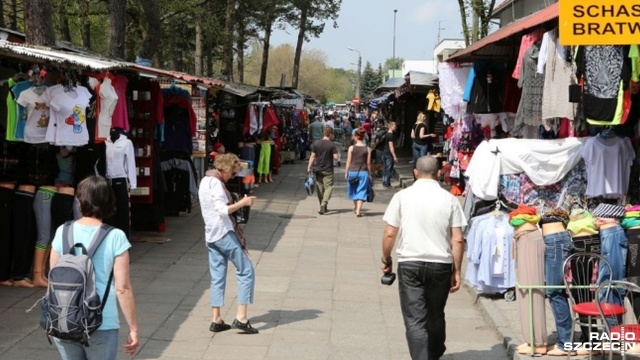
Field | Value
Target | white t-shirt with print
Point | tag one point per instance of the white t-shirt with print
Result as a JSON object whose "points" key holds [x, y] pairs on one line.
{"points": [[68, 125], [37, 112]]}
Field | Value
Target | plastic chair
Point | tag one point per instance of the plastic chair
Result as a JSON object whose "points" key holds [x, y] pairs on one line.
{"points": [[617, 291], [581, 282]]}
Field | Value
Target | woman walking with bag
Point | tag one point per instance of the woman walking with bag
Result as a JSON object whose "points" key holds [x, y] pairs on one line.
{"points": [[226, 242], [358, 171]]}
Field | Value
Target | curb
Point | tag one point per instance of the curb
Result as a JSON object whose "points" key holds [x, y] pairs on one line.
{"points": [[494, 318]]}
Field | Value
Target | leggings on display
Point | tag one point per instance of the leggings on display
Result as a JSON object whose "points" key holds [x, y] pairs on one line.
{"points": [[121, 219], [23, 235], [530, 249], [42, 210], [6, 240], [264, 166]]}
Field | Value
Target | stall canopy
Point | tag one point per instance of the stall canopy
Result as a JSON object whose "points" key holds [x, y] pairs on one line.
{"points": [[85, 60], [503, 41], [418, 78], [375, 103], [390, 84]]}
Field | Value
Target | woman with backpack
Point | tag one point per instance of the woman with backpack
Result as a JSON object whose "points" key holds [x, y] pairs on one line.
{"points": [[97, 202]]}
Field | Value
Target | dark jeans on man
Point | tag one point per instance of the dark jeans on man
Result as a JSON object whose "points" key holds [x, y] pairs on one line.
{"points": [[387, 161], [424, 290]]}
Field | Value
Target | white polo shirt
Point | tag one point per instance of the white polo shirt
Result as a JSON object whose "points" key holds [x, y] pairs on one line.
{"points": [[424, 214]]}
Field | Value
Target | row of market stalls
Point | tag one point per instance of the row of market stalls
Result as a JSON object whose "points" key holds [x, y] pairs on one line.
{"points": [[400, 99], [71, 113], [545, 138]]}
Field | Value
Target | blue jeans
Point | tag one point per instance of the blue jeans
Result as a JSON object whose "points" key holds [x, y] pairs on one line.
{"points": [[220, 253], [558, 247], [387, 161], [103, 345], [614, 249], [419, 151], [424, 290]]}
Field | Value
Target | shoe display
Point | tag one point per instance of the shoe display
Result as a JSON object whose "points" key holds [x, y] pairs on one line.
{"points": [[246, 327], [219, 327]]}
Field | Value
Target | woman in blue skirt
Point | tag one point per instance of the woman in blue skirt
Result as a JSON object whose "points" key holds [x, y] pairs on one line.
{"points": [[358, 167]]}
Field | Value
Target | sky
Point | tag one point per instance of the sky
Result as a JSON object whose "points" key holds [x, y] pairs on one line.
{"points": [[367, 26]]}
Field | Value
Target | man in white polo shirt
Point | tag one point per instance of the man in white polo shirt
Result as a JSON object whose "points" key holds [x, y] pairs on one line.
{"points": [[428, 222]]}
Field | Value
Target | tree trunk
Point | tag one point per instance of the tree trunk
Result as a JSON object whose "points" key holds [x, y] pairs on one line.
{"points": [[117, 23], [38, 22], [199, 46], [13, 16], [209, 52], [465, 25], [240, 49], [474, 25], [227, 68], [265, 52], [301, 32], [154, 31], [485, 19], [65, 31], [86, 26], [2, 23]]}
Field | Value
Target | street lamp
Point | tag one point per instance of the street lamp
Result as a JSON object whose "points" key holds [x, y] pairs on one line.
{"points": [[359, 67], [395, 11]]}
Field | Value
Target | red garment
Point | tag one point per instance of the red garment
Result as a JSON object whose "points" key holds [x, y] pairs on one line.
{"points": [[158, 99], [270, 119], [564, 129], [120, 117], [512, 95], [184, 103], [525, 44], [523, 210]]}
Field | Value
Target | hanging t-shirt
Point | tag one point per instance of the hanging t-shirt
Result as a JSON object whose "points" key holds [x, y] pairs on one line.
{"points": [[67, 125], [21, 116], [37, 115], [608, 163], [108, 99], [120, 117], [11, 113]]}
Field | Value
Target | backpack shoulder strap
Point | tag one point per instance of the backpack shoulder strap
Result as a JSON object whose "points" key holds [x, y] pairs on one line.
{"points": [[100, 236], [67, 237]]}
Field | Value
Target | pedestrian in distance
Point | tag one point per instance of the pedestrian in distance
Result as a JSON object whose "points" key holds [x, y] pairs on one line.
{"points": [[316, 130], [421, 138], [358, 167], [225, 242], [97, 202], [430, 248], [323, 153], [388, 157]]}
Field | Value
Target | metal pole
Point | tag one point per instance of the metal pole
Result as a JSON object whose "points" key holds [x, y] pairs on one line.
{"points": [[358, 83], [395, 11]]}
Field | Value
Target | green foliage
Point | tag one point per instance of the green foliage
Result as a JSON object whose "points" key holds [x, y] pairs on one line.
{"points": [[391, 64], [371, 79]]}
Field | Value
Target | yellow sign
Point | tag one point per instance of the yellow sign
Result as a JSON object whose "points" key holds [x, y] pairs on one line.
{"points": [[599, 22]]}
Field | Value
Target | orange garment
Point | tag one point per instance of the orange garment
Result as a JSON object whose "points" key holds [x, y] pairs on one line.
{"points": [[523, 210]]}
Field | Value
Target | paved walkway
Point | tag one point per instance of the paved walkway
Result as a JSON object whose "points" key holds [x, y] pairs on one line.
{"points": [[318, 292]]}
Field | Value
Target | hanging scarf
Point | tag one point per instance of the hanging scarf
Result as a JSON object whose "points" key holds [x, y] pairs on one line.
{"points": [[236, 228]]}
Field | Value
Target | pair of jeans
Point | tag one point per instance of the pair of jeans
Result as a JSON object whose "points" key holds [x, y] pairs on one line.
{"points": [[588, 244], [222, 251], [558, 246], [424, 290], [614, 249], [387, 162], [324, 186], [42, 210], [419, 151], [103, 345]]}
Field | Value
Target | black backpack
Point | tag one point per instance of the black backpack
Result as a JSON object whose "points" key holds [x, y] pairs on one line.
{"points": [[71, 308], [379, 136]]}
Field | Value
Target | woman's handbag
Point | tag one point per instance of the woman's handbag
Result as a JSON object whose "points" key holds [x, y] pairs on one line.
{"points": [[354, 181]]}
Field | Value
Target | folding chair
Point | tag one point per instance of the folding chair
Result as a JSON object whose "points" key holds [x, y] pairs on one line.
{"points": [[581, 272], [625, 331]]}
